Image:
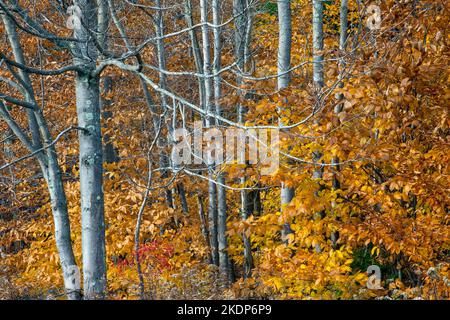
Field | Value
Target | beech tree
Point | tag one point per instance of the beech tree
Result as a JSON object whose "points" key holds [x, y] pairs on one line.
{"points": [[37, 139], [94, 95]]}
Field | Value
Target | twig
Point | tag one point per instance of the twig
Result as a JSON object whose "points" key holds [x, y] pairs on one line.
{"points": [[5, 166]]}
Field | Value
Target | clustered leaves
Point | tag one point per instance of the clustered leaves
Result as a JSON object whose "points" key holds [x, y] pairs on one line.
{"points": [[391, 207]]}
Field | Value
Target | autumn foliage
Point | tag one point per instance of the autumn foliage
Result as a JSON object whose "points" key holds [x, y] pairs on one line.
{"points": [[386, 203]]}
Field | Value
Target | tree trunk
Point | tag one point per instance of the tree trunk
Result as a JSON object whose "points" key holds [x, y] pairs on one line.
{"points": [[222, 229], [213, 219], [91, 160], [50, 169], [242, 37], [182, 194], [318, 43], [209, 121], [164, 158], [284, 64], [196, 51], [16, 47], [221, 192], [204, 226], [62, 229], [318, 78]]}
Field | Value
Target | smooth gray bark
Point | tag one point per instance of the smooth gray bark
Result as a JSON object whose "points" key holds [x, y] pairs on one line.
{"points": [[222, 229], [204, 226], [343, 13], [196, 51], [213, 219], [242, 36], [209, 121], [343, 16], [221, 192], [19, 57], [318, 43], [284, 64], [217, 60], [161, 55], [206, 59], [90, 158], [49, 165], [318, 77]]}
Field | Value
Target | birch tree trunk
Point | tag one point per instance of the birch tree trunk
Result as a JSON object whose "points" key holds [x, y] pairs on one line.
{"points": [[242, 36], [14, 41], [342, 44], [196, 51], [62, 227], [91, 158], [224, 266], [318, 43], [17, 51], [318, 78], [284, 64], [203, 66], [204, 226], [50, 168], [209, 121]]}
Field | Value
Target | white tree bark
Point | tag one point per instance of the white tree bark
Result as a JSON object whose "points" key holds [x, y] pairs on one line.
{"points": [[342, 44], [91, 159], [284, 64], [161, 54], [242, 36], [196, 51], [209, 121], [318, 77], [318, 43], [49, 165], [224, 266]]}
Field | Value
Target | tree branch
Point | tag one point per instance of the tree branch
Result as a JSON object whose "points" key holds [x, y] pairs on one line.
{"points": [[41, 149]]}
